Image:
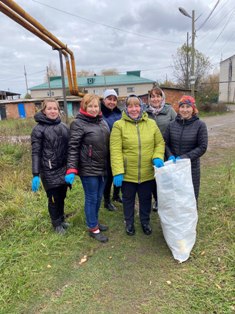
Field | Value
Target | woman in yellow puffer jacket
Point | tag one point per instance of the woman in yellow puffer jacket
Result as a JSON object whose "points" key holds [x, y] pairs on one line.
{"points": [[136, 144]]}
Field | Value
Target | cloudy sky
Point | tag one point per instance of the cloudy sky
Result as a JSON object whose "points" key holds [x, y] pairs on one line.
{"points": [[122, 34]]}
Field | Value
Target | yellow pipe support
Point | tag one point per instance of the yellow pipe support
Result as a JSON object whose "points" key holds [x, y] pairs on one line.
{"points": [[11, 14], [15, 7]]}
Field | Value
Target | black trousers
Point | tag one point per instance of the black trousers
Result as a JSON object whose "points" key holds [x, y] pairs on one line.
{"points": [[56, 197], [155, 191], [108, 186], [144, 192]]}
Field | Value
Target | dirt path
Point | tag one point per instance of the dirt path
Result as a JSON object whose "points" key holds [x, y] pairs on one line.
{"points": [[221, 132], [220, 129]]}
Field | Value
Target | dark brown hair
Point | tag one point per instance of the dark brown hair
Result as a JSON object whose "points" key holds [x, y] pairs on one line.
{"points": [[155, 90]]}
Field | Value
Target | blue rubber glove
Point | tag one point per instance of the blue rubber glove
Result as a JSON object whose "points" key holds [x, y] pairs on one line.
{"points": [[158, 162], [117, 180], [69, 178], [172, 158], [35, 183], [177, 158]]}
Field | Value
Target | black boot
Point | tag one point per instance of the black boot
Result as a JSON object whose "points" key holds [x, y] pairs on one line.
{"points": [[116, 192], [99, 236], [109, 206], [155, 207]]}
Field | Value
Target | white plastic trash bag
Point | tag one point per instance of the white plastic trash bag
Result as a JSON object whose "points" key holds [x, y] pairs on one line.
{"points": [[177, 207]]}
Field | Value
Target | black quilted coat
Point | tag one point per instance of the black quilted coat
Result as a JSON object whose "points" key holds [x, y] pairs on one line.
{"points": [[49, 141], [188, 139], [88, 146]]}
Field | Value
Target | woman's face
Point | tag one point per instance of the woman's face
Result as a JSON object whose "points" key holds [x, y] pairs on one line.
{"points": [[110, 102], [51, 110], [186, 111], [93, 108], [155, 100], [133, 110]]}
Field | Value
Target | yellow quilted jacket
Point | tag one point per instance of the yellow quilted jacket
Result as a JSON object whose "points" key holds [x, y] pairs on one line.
{"points": [[133, 146]]}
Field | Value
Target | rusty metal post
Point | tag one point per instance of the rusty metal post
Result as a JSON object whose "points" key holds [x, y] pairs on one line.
{"points": [[63, 85]]}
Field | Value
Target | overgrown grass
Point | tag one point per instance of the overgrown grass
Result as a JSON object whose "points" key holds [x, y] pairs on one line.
{"points": [[16, 126], [41, 271]]}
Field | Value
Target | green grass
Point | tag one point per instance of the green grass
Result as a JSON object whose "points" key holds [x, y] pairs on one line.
{"points": [[41, 273], [13, 127]]}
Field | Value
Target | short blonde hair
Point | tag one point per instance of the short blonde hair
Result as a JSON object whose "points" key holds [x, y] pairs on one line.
{"points": [[47, 100], [87, 99]]}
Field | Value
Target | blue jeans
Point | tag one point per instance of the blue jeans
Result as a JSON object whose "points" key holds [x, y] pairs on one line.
{"points": [[93, 189]]}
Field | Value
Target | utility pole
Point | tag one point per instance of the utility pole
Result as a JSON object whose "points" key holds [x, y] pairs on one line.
{"points": [[187, 56], [26, 82], [192, 78], [192, 74], [49, 83]]}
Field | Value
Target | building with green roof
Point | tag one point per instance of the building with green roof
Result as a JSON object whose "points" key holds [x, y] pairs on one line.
{"points": [[124, 84]]}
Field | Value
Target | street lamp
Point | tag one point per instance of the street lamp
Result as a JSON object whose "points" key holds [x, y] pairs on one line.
{"points": [[192, 77]]}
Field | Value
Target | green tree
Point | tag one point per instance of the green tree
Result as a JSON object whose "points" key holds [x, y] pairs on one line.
{"points": [[182, 63], [208, 91]]}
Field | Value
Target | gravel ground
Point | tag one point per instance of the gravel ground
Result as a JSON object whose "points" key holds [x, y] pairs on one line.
{"points": [[221, 132]]}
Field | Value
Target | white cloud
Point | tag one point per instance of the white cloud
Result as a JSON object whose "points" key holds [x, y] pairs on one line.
{"points": [[125, 34]]}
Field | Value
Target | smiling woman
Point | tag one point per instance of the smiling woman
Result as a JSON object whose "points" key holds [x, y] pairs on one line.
{"points": [[136, 144], [49, 141], [87, 157], [187, 137]]}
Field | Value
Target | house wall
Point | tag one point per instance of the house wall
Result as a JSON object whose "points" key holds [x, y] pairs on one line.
{"points": [[137, 89], [123, 90], [173, 96], [45, 93], [227, 80], [13, 113]]}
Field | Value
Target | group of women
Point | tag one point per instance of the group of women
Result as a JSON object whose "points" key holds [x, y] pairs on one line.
{"points": [[121, 146]]}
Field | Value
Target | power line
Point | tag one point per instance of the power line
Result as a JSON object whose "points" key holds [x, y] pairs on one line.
{"points": [[105, 25], [21, 77], [208, 16], [228, 20]]}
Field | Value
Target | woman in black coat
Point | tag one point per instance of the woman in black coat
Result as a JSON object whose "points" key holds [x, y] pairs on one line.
{"points": [[49, 140], [88, 157], [187, 137]]}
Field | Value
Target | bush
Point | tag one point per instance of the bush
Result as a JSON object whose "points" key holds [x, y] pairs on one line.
{"points": [[212, 107]]}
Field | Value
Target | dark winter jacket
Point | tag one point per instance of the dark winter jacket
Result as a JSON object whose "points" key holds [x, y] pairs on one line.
{"points": [[110, 116], [49, 141], [188, 139], [163, 118], [88, 146]]}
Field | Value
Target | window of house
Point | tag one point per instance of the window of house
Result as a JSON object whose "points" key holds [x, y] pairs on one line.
{"points": [[49, 94], [116, 90], [130, 89]]}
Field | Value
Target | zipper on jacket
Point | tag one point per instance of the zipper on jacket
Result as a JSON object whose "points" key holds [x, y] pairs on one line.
{"points": [[181, 134], [90, 151], [49, 162], [139, 153]]}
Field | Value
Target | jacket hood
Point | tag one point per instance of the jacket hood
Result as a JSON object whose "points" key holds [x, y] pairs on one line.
{"points": [[40, 117]]}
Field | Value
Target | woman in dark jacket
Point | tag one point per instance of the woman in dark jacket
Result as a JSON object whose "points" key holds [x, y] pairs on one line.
{"points": [[111, 113], [87, 157], [187, 137], [49, 141], [163, 114]]}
